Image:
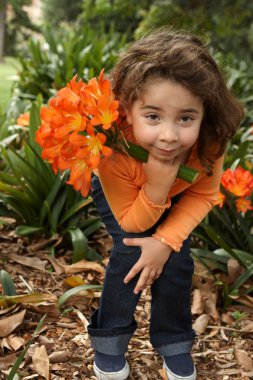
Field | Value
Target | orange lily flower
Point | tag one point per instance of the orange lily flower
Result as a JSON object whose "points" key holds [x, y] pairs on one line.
{"points": [[106, 112], [72, 91], [80, 176], [243, 205], [220, 200], [23, 119], [239, 182], [94, 145], [98, 87]]}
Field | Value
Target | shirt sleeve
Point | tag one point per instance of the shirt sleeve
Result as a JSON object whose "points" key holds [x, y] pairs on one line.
{"points": [[194, 204], [122, 183]]}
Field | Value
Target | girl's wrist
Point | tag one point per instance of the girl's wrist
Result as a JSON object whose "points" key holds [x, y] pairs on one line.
{"points": [[157, 196]]}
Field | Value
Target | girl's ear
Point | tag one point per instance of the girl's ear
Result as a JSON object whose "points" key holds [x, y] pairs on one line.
{"points": [[129, 117]]}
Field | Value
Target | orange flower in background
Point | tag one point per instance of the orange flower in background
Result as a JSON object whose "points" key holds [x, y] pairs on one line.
{"points": [[238, 182], [23, 119], [243, 205], [221, 199]]}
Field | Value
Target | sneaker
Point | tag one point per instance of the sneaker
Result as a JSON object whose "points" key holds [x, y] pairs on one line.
{"points": [[180, 367], [109, 367]]}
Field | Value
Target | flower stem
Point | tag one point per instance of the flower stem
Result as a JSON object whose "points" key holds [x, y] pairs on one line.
{"points": [[185, 172]]}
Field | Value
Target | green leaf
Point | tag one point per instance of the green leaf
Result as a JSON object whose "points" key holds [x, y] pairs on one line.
{"points": [[23, 209], [71, 292], [52, 195], [7, 284], [242, 279], [92, 255], [27, 230], [80, 244], [210, 255], [41, 167], [75, 208], [94, 226], [8, 179], [217, 238], [23, 170], [57, 209], [33, 126], [15, 192], [226, 220]]}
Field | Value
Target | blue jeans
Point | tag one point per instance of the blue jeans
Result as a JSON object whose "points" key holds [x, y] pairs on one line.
{"points": [[113, 324]]}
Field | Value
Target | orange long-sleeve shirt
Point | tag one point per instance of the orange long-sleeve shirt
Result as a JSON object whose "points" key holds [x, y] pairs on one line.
{"points": [[122, 180]]}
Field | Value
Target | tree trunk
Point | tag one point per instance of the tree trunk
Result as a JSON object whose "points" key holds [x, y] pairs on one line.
{"points": [[2, 27]]}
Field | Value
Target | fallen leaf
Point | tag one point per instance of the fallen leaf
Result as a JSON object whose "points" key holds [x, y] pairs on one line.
{"points": [[31, 298], [16, 342], [81, 266], [244, 360], [210, 306], [226, 318], [8, 324], [234, 270], [201, 323], [248, 327], [84, 320], [51, 310], [197, 302], [59, 356], [7, 361], [40, 361], [4, 344], [48, 343], [8, 309], [33, 262], [74, 281]]}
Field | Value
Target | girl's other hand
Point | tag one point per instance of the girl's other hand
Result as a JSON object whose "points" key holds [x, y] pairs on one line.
{"points": [[153, 257]]}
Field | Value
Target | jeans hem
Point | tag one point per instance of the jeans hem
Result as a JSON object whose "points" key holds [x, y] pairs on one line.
{"points": [[111, 345], [111, 341], [175, 348]]}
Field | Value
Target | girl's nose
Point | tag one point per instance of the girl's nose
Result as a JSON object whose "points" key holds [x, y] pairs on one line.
{"points": [[169, 133]]}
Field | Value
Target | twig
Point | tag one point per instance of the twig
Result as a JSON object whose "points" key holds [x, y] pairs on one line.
{"points": [[223, 328], [26, 283]]}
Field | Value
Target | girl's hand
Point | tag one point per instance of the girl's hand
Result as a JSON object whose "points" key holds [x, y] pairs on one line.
{"points": [[160, 177], [153, 257]]}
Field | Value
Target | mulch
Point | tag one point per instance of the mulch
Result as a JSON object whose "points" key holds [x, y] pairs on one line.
{"points": [[223, 348]]}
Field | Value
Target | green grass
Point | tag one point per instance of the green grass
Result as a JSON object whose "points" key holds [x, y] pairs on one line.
{"points": [[8, 70]]}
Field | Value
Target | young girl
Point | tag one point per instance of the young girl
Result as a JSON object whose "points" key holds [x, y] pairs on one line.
{"points": [[180, 110]]}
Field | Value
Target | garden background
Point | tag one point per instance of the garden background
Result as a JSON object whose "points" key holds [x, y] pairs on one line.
{"points": [[54, 248]]}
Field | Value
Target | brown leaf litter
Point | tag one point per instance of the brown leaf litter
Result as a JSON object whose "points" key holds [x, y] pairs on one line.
{"points": [[61, 350]]}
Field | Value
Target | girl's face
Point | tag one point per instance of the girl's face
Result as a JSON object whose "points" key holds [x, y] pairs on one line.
{"points": [[166, 119]]}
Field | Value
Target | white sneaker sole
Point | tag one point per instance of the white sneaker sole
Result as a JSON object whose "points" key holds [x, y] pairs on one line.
{"points": [[120, 375], [173, 376]]}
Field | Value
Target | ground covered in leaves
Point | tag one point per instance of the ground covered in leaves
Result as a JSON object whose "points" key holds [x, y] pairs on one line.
{"points": [[61, 350]]}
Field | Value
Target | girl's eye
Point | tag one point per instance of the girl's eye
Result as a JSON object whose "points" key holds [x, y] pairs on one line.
{"points": [[152, 116], [186, 118]]}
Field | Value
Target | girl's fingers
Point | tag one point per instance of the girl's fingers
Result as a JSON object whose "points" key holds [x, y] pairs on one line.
{"points": [[146, 278], [135, 242], [133, 272]]}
